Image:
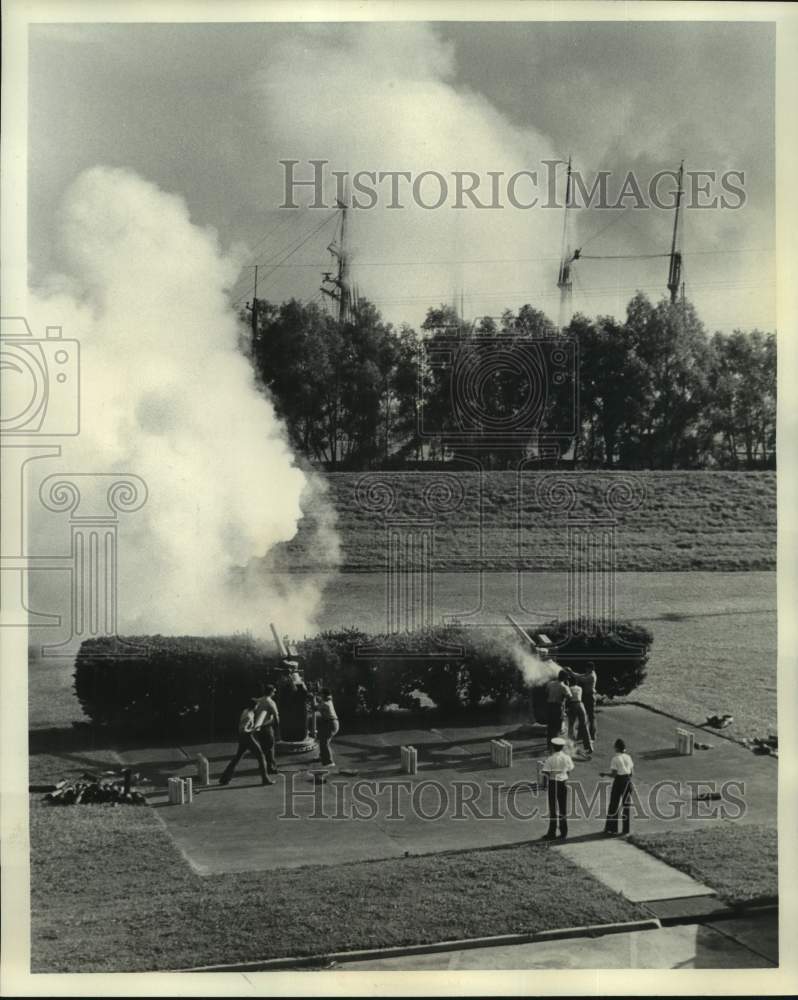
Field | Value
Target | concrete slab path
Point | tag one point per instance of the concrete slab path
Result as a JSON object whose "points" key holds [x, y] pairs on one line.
{"points": [[457, 801], [628, 870]]}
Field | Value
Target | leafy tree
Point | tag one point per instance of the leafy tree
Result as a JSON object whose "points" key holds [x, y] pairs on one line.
{"points": [[742, 413], [655, 391]]}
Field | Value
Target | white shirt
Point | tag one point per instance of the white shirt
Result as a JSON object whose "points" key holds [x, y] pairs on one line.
{"points": [[557, 765], [266, 706], [622, 763], [326, 710]]}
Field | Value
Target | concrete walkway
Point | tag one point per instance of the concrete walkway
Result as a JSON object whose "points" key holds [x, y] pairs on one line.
{"points": [[723, 944], [631, 871], [245, 827]]}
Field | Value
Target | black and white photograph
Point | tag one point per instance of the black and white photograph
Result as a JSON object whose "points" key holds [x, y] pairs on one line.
{"points": [[398, 479]]}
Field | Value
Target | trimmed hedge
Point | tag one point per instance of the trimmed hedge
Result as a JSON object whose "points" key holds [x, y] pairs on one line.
{"points": [[177, 683], [620, 656], [189, 685]]}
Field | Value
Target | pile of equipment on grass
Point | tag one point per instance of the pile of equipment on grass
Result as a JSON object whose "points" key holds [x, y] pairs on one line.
{"points": [[89, 789], [719, 721], [767, 745]]}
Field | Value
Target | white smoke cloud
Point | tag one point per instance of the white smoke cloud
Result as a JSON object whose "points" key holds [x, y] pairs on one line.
{"points": [[535, 669], [385, 97], [167, 394]]}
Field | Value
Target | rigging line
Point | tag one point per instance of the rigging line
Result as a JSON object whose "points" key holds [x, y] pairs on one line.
{"points": [[551, 293], [286, 220], [285, 249], [621, 256], [519, 260], [300, 245], [266, 261], [290, 252], [247, 266]]}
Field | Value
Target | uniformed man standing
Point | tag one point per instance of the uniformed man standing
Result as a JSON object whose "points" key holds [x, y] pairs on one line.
{"points": [[556, 768], [621, 768]]}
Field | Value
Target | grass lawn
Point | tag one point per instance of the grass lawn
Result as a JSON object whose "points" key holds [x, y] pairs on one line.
{"points": [[714, 634], [739, 862], [110, 892]]}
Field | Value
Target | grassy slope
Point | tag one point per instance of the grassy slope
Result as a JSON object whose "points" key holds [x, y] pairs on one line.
{"points": [[688, 520], [739, 862]]}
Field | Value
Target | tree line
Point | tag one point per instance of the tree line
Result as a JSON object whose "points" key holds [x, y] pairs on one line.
{"points": [[655, 391]]}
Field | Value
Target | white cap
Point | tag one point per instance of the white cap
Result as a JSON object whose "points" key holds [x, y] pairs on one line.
{"points": [[558, 741]]}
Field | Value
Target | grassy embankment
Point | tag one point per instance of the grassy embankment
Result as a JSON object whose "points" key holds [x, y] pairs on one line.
{"points": [[686, 521]]}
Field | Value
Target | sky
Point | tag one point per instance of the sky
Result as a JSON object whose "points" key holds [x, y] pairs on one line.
{"points": [[206, 112]]}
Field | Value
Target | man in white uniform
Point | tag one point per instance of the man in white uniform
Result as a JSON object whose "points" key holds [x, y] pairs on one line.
{"points": [[556, 767]]}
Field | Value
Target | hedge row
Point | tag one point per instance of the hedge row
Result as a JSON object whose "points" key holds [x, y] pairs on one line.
{"points": [[192, 685]]}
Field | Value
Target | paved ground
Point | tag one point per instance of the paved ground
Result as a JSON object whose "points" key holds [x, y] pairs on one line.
{"points": [[723, 944], [631, 871], [245, 827]]}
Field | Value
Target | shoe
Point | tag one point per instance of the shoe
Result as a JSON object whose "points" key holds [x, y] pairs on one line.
{"points": [[268, 781], [610, 833], [224, 781], [549, 836], [563, 836]]}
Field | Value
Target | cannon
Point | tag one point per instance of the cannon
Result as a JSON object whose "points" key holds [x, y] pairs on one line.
{"points": [[295, 704]]}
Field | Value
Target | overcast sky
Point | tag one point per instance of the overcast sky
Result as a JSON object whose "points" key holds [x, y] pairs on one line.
{"points": [[207, 111]]}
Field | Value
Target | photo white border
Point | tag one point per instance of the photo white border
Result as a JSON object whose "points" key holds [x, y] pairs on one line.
{"points": [[14, 977]]}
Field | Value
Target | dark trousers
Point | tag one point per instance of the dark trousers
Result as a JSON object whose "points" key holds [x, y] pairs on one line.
{"points": [[620, 801], [266, 739], [327, 728], [554, 719], [558, 806], [590, 710], [578, 726], [246, 742]]}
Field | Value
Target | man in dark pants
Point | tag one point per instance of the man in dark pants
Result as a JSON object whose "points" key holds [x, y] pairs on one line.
{"points": [[267, 718], [557, 693], [587, 681], [556, 768], [327, 726], [621, 768], [247, 741]]}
